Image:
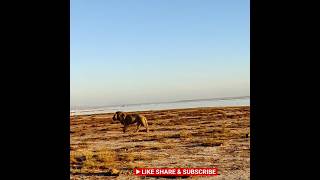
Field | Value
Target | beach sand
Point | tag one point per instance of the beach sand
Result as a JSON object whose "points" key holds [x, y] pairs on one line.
{"points": [[195, 137]]}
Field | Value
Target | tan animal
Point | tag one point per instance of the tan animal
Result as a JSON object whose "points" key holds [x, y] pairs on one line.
{"points": [[127, 119]]}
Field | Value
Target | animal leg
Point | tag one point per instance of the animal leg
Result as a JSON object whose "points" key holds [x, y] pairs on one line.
{"points": [[147, 128], [145, 124], [125, 128], [138, 126]]}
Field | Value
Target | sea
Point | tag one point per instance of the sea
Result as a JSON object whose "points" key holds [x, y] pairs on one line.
{"points": [[195, 103]]}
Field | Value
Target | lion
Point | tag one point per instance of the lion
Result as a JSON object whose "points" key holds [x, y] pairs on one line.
{"points": [[127, 119]]}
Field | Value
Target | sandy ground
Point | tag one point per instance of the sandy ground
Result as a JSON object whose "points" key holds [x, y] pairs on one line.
{"points": [[197, 137]]}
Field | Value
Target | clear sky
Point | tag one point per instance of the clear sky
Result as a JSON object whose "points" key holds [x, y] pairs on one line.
{"points": [[137, 51]]}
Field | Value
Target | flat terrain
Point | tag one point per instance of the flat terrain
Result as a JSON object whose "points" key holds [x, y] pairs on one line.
{"points": [[197, 137]]}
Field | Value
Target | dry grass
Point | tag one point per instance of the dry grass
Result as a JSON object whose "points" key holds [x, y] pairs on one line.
{"points": [[211, 142], [176, 138], [86, 160], [238, 134], [133, 165], [105, 155], [182, 134], [80, 155], [162, 136], [126, 157], [185, 134]]}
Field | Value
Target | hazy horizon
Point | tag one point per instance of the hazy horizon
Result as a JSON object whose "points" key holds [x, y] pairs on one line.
{"points": [[131, 52], [160, 102]]}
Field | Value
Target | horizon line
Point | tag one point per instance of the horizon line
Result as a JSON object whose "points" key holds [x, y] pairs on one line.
{"points": [[184, 100]]}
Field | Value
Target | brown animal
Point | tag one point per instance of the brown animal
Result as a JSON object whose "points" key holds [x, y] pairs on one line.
{"points": [[127, 119]]}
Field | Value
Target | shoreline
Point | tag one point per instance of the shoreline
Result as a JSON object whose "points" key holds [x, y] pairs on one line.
{"points": [[164, 102], [198, 103], [159, 110]]}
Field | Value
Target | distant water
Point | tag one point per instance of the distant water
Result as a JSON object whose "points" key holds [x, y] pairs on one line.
{"points": [[217, 102]]}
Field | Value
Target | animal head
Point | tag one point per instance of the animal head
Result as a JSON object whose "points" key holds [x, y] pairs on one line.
{"points": [[118, 116]]}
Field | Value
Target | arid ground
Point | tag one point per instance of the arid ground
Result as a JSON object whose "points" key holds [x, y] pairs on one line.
{"points": [[196, 137]]}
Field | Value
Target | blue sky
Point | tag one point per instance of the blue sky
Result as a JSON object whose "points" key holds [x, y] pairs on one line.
{"points": [[136, 51]]}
